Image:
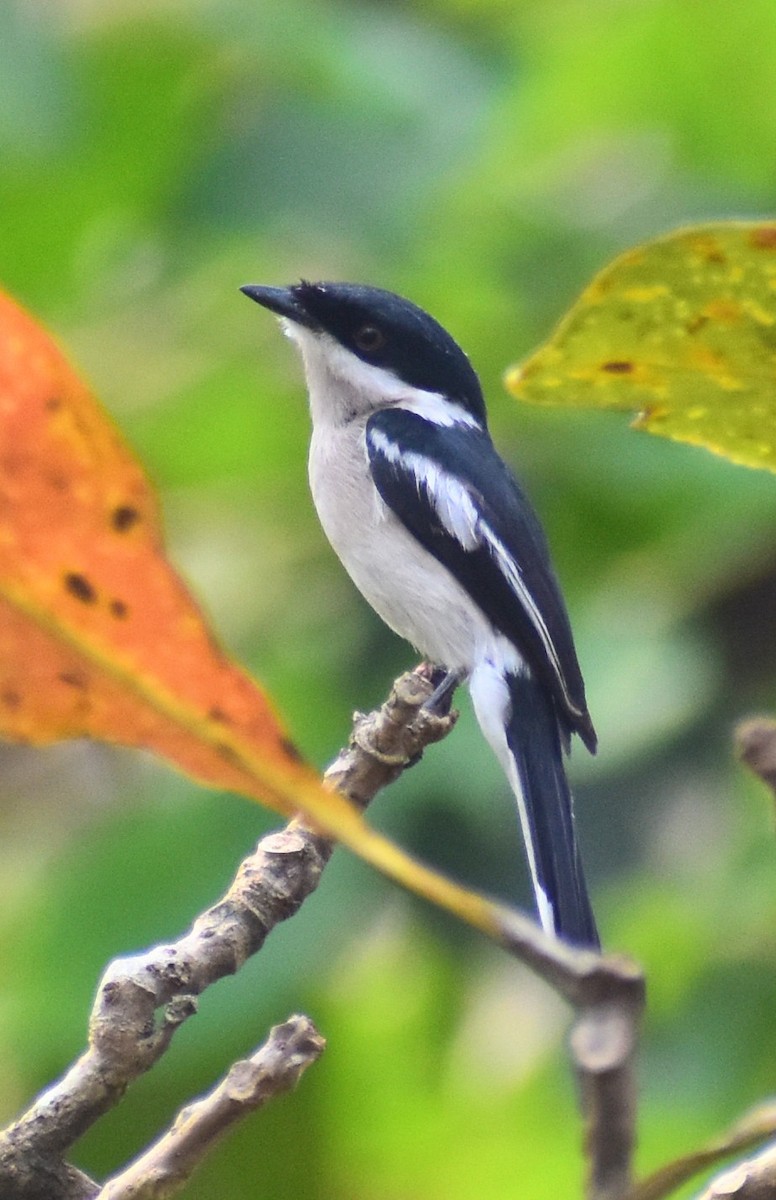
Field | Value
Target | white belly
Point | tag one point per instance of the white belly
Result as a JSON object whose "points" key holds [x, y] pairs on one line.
{"points": [[414, 594]]}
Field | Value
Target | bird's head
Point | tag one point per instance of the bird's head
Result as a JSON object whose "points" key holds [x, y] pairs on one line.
{"points": [[365, 349]]}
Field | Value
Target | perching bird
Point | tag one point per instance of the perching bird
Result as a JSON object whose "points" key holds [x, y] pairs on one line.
{"points": [[438, 536]]}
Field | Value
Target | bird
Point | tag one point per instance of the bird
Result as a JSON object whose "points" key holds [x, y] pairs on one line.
{"points": [[439, 537]]}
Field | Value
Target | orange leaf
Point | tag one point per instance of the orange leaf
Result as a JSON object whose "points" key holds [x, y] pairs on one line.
{"points": [[99, 636]]}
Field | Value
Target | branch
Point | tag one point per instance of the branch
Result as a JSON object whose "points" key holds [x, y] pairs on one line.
{"points": [[126, 1037], [754, 1127], [275, 1068], [755, 741], [608, 995], [751, 1180]]}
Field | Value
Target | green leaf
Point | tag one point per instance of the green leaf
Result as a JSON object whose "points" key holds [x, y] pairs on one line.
{"points": [[683, 331]]}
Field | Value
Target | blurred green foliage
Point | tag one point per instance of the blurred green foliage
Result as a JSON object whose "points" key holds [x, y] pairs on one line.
{"points": [[484, 157]]}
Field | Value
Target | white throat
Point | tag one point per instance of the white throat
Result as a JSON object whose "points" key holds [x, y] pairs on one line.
{"points": [[342, 387]]}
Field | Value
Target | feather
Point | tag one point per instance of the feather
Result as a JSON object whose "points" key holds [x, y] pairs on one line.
{"points": [[455, 495]]}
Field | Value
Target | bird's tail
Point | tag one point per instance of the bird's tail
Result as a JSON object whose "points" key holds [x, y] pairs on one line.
{"points": [[517, 716]]}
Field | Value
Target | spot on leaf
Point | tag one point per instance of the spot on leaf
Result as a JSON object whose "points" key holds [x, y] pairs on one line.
{"points": [[80, 587], [618, 367], [73, 679], [764, 237], [124, 517], [292, 751]]}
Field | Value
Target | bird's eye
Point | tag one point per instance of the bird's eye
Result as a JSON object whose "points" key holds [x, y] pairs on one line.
{"points": [[369, 339]]}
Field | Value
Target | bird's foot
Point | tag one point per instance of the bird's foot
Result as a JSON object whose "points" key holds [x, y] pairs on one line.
{"points": [[445, 683]]}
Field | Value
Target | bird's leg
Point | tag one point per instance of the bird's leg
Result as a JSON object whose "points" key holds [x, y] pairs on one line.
{"points": [[445, 682]]}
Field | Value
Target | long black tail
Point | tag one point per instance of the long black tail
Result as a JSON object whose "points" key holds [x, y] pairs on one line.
{"points": [[518, 718]]}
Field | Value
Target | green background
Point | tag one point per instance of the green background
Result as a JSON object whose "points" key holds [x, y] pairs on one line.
{"points": [[485, 158]]}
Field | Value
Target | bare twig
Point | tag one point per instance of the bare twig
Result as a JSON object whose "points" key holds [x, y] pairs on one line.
{"points": [[385, 742], [274, 1068], [751, 1129], [754, 1179], [608, 996], [126, 1037], [756, 746]]}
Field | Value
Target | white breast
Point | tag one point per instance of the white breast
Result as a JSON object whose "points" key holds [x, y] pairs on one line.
{"points": [[414, 594]]}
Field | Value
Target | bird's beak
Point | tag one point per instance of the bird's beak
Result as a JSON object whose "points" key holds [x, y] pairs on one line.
{"points": [[282, 301]]}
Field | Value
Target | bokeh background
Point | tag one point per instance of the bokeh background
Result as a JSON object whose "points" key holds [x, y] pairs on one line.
{"points": [[484, 157]]}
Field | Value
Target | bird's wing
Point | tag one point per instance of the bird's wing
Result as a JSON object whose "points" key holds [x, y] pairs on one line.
{"points": [[454, 494]]}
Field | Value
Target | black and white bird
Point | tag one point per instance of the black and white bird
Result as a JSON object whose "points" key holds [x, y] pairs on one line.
{"points": [[438, 536]]}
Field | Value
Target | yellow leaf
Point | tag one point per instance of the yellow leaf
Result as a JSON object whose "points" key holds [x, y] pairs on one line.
{"points": [[683, 331]]}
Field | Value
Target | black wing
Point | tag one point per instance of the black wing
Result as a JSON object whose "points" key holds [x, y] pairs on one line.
{"points": [[451, 490]]}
